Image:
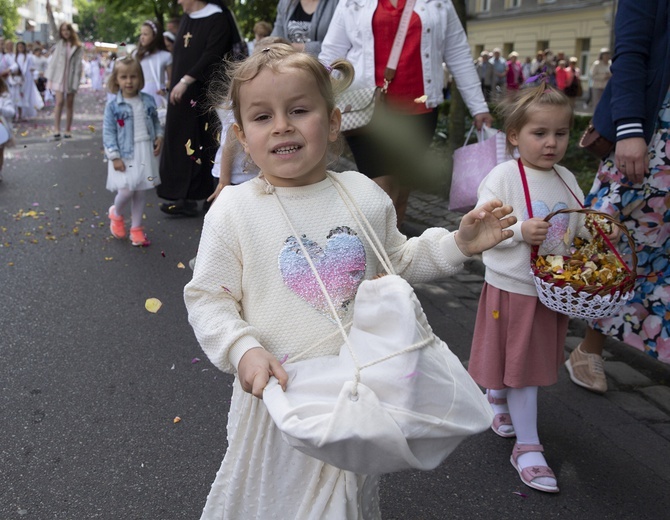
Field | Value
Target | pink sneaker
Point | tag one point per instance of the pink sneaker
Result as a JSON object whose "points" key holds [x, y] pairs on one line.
{"points": [[116, 225], [138, 238]]}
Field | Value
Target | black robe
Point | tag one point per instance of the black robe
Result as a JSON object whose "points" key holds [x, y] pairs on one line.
{"points": [[186, 175]]}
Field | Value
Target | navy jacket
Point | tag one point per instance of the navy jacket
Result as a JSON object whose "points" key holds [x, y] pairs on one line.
{"points": [[640, 71]]}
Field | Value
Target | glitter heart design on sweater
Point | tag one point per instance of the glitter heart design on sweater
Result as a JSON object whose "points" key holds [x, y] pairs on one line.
{"points": [[341, 266], [559, 223]]}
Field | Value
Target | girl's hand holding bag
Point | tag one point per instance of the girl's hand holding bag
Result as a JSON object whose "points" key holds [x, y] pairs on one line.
{"points": [[394, 398], [473, 162]]}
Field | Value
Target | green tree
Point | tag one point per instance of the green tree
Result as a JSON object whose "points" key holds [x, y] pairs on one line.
{"points": [[10, 18], [249, 12], [120, 20]]}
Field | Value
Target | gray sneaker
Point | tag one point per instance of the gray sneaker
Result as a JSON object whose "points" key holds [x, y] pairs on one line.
{"points": [[587, 370]]}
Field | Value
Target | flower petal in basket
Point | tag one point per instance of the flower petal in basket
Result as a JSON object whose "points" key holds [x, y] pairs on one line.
{"points": [[588, 297], [398, 399]]}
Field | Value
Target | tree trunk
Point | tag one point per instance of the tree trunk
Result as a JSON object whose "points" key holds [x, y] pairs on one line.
{"points": [[52, 22], [457, 112]]}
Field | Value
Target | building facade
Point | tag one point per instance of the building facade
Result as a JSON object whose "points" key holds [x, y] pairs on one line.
{"points": [[34, 24], [577, 28]]}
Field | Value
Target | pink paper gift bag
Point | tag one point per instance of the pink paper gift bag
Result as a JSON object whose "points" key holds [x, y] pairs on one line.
{"points": [[472, 163]]}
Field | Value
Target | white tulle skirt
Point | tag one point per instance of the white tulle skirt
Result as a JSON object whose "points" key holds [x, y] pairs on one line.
{"points": [[141, 170]]}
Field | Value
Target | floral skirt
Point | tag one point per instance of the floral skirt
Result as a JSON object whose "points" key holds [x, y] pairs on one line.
{"points": [[644, 322]]}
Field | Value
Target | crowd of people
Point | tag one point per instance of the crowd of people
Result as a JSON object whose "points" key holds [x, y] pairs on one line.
{"points": [[500, 76], [260, 165]]}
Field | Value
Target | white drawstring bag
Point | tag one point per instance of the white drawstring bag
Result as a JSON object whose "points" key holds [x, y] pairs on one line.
{"points": [[394, 398]]}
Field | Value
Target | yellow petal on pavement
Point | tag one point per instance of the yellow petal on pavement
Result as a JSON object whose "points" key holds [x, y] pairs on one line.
{"points": [[153, 304], [189, 150], [176, 420], [181, 266], [91, 128]]}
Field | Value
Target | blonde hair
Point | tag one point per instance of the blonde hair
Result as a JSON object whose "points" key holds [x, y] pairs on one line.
{"points": [[515, 110], [128, 61], [280, 57]]}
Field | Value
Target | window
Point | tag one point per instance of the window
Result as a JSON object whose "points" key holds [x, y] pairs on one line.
{"points": [[583, 49], [484, 6], [512, 4]]}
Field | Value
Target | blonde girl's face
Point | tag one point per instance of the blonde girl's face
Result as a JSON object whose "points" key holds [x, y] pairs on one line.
{"points": [[146, 36], [285, 126], [543, 140], [128, 80], [65, 32]]}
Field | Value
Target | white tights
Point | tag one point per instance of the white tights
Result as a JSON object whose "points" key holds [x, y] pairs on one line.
{"points": [[522, 403], [137, 201]]}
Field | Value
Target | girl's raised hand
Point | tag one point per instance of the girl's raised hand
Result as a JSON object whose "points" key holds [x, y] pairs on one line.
{"points": [[484, 227], [534, 231], [255, 369]]}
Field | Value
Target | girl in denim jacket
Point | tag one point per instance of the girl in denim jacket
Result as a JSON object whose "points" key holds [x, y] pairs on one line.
{"points": [[132, 148]]}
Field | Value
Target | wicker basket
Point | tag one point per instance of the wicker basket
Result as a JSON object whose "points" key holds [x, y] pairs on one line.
{"points": [[585, 301]]}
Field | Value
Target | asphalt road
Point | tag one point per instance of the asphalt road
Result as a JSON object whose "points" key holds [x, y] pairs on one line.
{"points": [[91, 383]]}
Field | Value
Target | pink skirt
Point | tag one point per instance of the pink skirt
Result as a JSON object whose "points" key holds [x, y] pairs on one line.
{"points": [[517, 342]]}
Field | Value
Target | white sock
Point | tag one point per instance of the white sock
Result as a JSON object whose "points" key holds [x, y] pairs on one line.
{"points": [[500, 408], [522, 404]]}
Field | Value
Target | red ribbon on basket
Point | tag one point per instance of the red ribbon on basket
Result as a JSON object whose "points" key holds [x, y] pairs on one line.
{"points": [[535, 249]]}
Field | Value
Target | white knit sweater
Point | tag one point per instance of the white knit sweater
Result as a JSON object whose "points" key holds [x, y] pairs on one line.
{"points": [[508, 264], [251, 285]]}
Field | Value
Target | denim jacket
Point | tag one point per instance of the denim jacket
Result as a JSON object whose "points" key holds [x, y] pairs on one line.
{"points": [[118, 133]]}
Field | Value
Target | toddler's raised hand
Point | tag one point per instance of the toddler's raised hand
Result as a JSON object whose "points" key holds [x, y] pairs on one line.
{"points": [[255, 369], [534, 231], [484, 227]]}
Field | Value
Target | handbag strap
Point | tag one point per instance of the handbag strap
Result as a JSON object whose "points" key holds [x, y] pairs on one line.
{"points": [[375, 243], [398, 42]]}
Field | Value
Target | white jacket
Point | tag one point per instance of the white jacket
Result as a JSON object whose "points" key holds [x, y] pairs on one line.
{"points": [[442, 40]]}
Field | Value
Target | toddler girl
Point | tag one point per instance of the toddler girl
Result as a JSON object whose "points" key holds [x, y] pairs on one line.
{"points": [[132, 137], [243, 305], [518, 343], [7, 111]]}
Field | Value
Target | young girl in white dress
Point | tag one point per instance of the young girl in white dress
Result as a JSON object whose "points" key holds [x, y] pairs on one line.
{"points": [[247, 318], [7, 112], [156, 62], [29, 99], [133, 137]]}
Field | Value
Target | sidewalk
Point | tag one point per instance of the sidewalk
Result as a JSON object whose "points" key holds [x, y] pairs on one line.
{"points": [[642, 379]]}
